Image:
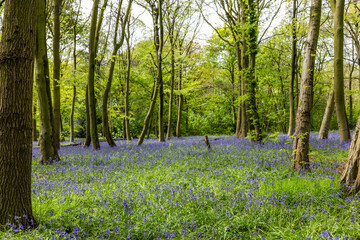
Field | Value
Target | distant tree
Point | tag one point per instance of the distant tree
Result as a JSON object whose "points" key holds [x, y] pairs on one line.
{"points": [[300, 153], [155, 8], [16, 84], [329, 110], [117, 44]]}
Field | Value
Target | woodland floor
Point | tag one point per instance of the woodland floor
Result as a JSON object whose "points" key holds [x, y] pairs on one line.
{"points": [[182, 190]]}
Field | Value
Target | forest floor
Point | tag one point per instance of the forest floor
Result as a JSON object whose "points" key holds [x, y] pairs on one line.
{"points": [[182, 190]]}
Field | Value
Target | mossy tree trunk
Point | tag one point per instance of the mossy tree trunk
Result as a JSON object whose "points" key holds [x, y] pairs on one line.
{"points": [[337, 7], [91, 79], [300, 155], [48, 148]]}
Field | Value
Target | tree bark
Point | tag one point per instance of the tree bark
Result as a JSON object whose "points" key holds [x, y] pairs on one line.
{"points": [[338, 12], [350, 176], [300, 156], [291, 129], [16, 84], [48, 148], [88, 133], [91, 78], [330, 106], [34, 134], [56, 72], [159, 44]]}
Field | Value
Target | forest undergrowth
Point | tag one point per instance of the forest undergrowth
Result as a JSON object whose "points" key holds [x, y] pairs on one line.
{"points": [[182, 190]]}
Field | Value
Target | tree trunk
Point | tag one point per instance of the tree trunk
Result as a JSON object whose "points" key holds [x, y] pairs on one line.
{"points": [[350, 176], [127, 87], [172, 44], [330, 105], [291, 129], [91, 78], [244, 67], [181, 100], [300, 155], [252, 49], [34, 135], [351, 110], [56, 72], [159, 43], [338, 12], [48, 148], [88, 134], [16, 84]]}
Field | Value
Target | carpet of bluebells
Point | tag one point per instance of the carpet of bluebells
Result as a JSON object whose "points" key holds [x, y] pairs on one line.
{"points": [[182, 190]]}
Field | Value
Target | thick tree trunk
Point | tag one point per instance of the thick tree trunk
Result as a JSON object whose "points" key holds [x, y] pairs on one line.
{"points": [[91, 78], [350, 176], [56, 72], [338, 12], [330, 106], [300, 156], [16, 84], [291, 129], [48, 149]]}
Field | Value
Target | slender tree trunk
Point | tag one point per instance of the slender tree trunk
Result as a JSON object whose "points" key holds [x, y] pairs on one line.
{"points": [[293, 72], [244, 66], [172, 44], [239, 61], [117, 45], [127, 85], [300, 156], [159, 42], [48, 148], [338, 12], [16, 84], [351, 111], [181, 99], [34, 135], [56, 72], [330, 106], [91, 77], [88, 134]]}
